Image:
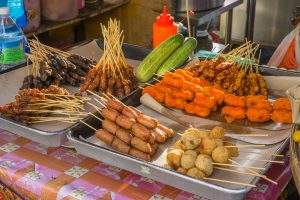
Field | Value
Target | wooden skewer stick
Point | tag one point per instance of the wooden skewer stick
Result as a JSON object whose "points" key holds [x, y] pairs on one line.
{"points": [[245, 146], [225, 181], [96, 117], [241, 166], [262, 153], [95, 107], [112, 96], [88, 125], [100, 103], [93, 93], [235, 171], [106, 96], [262, 176], [247, 135], [260, 160]]}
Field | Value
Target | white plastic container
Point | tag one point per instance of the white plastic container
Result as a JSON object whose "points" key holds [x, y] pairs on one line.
{"points": [[59, 10]]}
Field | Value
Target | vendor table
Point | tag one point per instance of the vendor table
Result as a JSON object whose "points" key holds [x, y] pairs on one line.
{"points": [[34, 171]]}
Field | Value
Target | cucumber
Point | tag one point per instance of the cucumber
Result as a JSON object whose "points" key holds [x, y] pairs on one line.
{"points": [[179, 57], [157, 56]]}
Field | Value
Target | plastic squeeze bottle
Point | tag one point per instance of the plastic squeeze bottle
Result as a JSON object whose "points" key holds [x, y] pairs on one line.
{"points": [[163, 28]]}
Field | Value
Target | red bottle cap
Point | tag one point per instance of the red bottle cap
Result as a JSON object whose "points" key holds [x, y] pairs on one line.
{"points": [[164, 19]]}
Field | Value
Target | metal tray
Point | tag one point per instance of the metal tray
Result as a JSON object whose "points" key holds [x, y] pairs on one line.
{"points": [[51, 134], [85, 143]]}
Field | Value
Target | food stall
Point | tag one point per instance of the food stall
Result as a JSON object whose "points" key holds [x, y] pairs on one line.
{"points": [[105, 119]]}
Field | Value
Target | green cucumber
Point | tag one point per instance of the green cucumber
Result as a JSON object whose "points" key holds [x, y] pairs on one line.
{"points": [[157, 56], [179, 57]]}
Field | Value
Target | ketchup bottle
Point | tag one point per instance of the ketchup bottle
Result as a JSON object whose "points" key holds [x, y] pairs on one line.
{"points": [[163, 28]]}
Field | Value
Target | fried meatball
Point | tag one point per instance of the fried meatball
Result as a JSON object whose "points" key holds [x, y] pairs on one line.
{"points": [[188, 159], [174, 157], [204, 133], [217, 133], [182, 170], [233, 151], [179, 145], [220, 155], [207, 146], [196, 173], [191, 138], [219, 142], [204, 164]]}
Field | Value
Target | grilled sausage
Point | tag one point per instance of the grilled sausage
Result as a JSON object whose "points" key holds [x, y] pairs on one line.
{"points": [[141, 145], [110, 126], [120, 146], [129, 112], [139, 154], [149, 122], [125, 122], [115, 104], [159, 135], [104, 136], [110, 114], [151, 138], [168, 131], [140, 131], [154, 147], [124, 135]]}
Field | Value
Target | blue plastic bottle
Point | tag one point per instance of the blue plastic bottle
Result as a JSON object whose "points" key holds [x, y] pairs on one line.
{"points": [[11, 41], [17, 12], [3, 3]]}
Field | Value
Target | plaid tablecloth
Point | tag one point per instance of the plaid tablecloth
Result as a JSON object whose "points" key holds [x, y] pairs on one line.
{"points": [[35, 171]]}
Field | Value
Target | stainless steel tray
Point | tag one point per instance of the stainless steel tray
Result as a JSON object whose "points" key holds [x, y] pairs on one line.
{"points": [[87, 144], [53, 133]]}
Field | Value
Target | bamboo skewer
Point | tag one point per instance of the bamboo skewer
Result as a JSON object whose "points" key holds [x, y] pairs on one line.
{"points": [[88, 125], [236, 171], [100, 103], [235, 165], [247, 135], [232, 182], [262, 153], [96, 117], [95, 107], [260, 160], [262, 176], [245, 146]]}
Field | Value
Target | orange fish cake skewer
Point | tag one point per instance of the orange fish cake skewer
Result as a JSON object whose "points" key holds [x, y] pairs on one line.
{"points": [[258, 115], [232, 100]]}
